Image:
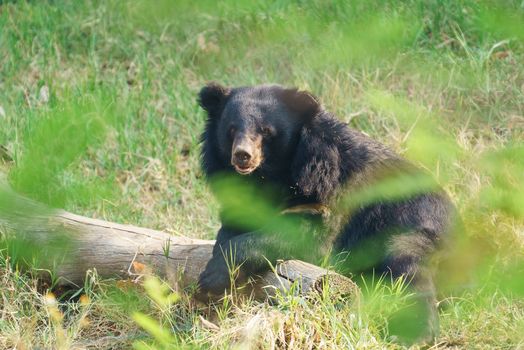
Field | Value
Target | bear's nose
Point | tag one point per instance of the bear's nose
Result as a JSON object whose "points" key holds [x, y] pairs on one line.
{"points": [[242, 156]]}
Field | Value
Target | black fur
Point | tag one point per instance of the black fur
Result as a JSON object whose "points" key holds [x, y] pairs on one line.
{"points": [[315, 159]]}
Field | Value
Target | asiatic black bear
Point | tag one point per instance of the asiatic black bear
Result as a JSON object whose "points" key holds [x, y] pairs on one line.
{"points": [[344, 191]]}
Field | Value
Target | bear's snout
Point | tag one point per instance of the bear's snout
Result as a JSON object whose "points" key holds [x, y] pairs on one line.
{"points": [[245, 155], [242, 157]]}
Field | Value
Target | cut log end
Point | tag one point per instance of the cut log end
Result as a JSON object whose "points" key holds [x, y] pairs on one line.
{"points": [[305, 278]]}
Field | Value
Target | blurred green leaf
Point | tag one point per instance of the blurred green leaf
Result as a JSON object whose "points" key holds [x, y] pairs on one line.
{"points": [[160, 292], [58, 139], [159, 333]]}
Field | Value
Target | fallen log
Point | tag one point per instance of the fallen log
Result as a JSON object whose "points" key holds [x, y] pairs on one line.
{"points": [[123, 251]]}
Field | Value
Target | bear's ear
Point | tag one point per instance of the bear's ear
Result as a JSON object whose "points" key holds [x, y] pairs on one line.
{"points": [[302, 102], [212, 97]]}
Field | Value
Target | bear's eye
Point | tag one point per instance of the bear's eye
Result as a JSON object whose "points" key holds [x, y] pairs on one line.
{"points": [[268, 131]]}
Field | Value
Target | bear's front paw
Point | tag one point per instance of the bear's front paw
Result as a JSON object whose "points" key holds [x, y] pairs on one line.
{"points": [[214, 280]]}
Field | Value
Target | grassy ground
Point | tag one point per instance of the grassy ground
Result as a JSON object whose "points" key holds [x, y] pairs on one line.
{"points": [[99, 116]]}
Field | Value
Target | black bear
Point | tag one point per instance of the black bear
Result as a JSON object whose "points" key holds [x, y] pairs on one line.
{"points": [[345, 191]]}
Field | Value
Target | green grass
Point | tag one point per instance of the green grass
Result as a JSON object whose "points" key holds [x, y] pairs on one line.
{"points": [[100, 118]]}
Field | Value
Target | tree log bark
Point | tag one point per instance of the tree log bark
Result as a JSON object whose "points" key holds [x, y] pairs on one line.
{"points": [[124, 252]]}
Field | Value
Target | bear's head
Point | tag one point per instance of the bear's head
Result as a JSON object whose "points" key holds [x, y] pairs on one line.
{"points": [[254, 128]]}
